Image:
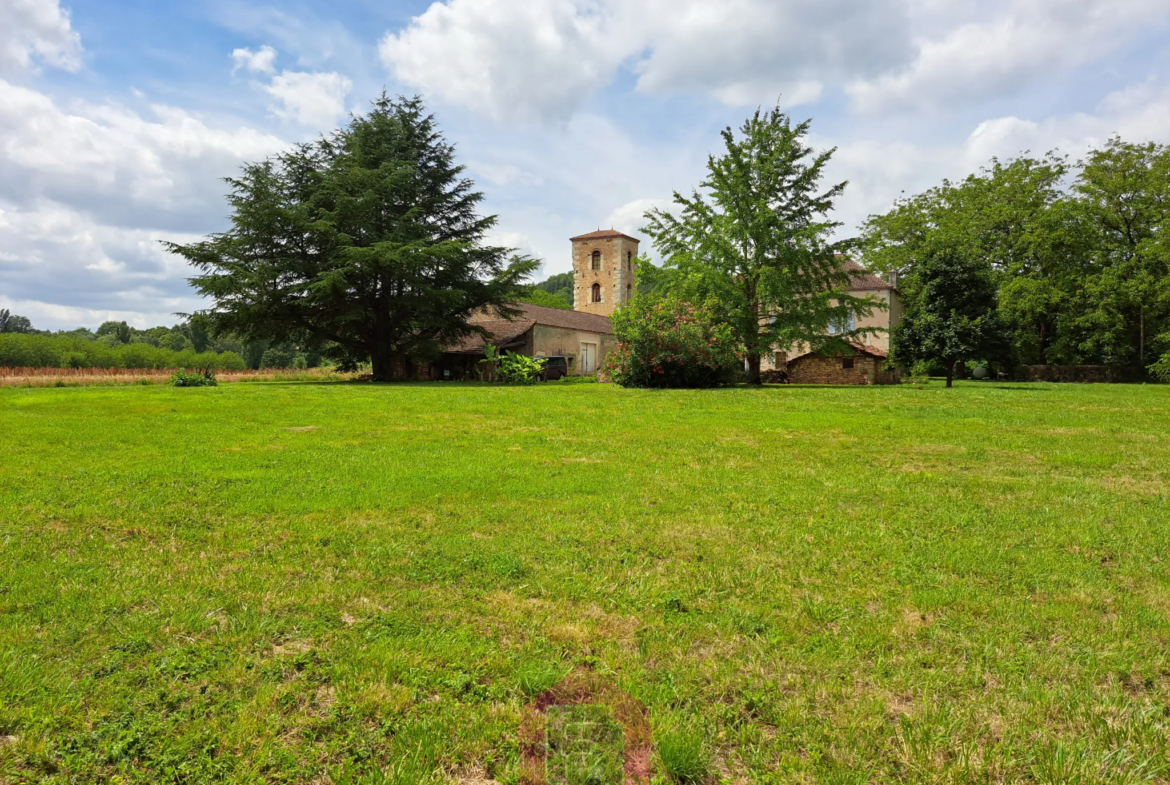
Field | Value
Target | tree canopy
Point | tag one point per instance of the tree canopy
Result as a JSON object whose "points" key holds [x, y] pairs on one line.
{"points": [[757, 244], [367, 242], [1077, 253], [951, 313]]}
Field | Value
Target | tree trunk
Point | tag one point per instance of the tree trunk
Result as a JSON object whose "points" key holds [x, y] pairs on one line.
{"points": [[383, 361], [754, 369], [951, 373]]}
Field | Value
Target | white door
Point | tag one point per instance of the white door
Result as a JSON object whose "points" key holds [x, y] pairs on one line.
{"points": [[588, 358]]}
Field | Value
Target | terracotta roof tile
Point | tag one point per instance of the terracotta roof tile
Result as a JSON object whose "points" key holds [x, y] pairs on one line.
{"points": [[556, 317], [502, 333], [603, 234], [864, 280]]}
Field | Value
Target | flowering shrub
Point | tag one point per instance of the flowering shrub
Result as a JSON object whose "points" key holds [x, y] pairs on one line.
{"points": [[204, 378], [519, 369], [670, 343]]}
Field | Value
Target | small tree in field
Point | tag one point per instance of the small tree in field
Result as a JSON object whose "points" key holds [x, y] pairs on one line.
{"points": [[757, 243], [367, 241], [670, 343], [951, 313]]}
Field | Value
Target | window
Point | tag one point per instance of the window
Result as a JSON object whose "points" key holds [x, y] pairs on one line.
{"points": [[596, 292], [847, 363], [597, 262], [629, 260], [843, 326]]}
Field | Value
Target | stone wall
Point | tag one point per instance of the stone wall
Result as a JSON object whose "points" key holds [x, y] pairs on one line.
{"points": [[617, 276], [551, 341], [1086, 374], [812, 369]]}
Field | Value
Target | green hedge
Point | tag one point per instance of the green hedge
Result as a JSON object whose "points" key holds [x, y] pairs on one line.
{"points": [[59, 351]]}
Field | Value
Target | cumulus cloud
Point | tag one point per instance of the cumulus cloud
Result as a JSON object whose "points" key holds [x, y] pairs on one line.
{"points": [[116, 164], [259, 62], [880, 171], [88, 192], [542, 59], [37, 30], [532, 60], [316, 100], [978, 55]]}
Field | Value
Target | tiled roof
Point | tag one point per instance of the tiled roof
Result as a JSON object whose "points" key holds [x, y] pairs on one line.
{"points": [[864, 280], [502, 333], [603, 234], [555, 317], [863, 348]]}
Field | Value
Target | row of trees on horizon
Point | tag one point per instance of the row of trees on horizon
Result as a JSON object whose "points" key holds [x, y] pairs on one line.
{"points": [[366, 245]]}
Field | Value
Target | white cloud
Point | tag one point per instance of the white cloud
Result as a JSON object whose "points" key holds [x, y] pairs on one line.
{"points": [[542, 59], [631, 216], [259, 62], [978, 52], [529, 61], [746, 52], [88, 192], [37, 30], [881, 171], [115, 163], [316, 100], [63, 269]]}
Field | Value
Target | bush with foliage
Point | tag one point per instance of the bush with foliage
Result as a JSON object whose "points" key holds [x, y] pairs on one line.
{"points": [[519, 369], [204, 378], [671, 343], [63, 351], [1161, 369]]}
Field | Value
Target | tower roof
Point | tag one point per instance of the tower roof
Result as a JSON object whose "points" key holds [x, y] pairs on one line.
{"points": [[603, 234]]}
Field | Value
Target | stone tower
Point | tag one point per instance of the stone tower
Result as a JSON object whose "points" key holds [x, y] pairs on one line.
{"points": [[604, 271]]}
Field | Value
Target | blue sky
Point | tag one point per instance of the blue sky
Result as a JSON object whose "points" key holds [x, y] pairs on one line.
{"points": [[119, 117]]}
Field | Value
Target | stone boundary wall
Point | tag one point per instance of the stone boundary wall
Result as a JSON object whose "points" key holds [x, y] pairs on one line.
{"points": [[812, 369], [1083, 374]]}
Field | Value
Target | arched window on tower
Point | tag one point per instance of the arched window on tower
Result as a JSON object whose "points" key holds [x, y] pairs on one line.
{"points": [[597, 262], [629, 260], [596, 292]]}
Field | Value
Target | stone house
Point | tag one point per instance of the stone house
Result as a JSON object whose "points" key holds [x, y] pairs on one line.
{"points": [[583, 338], [887, 314], [604, 279], [863, 365]]}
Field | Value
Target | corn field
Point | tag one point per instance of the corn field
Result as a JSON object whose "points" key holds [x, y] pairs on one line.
{"points": [[79, 377]]}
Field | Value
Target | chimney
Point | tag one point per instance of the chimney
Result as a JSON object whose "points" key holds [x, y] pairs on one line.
{"points": [[894, 278]]}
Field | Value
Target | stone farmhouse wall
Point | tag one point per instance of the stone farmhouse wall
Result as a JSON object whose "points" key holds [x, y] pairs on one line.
{"points": [[812, 369], [552, 341], [617, 276]]}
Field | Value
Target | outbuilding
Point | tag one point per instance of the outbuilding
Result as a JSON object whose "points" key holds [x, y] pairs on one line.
{"points": [[863, 365], [538, 331]]}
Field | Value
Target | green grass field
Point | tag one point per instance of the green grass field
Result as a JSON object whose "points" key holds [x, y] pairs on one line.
{"points": [[354, 583]]}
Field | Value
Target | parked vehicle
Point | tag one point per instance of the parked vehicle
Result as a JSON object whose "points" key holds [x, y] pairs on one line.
{"points": [[555, 368]]}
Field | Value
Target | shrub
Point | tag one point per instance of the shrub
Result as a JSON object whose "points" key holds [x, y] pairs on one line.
{"points": [[671, 343], [684, 755], [519, 369], [65, 351], [276, 358], [1161, 369], [194, 379]]}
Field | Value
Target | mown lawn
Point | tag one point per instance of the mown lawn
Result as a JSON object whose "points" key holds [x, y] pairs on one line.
{"points": [[356, 583]]}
